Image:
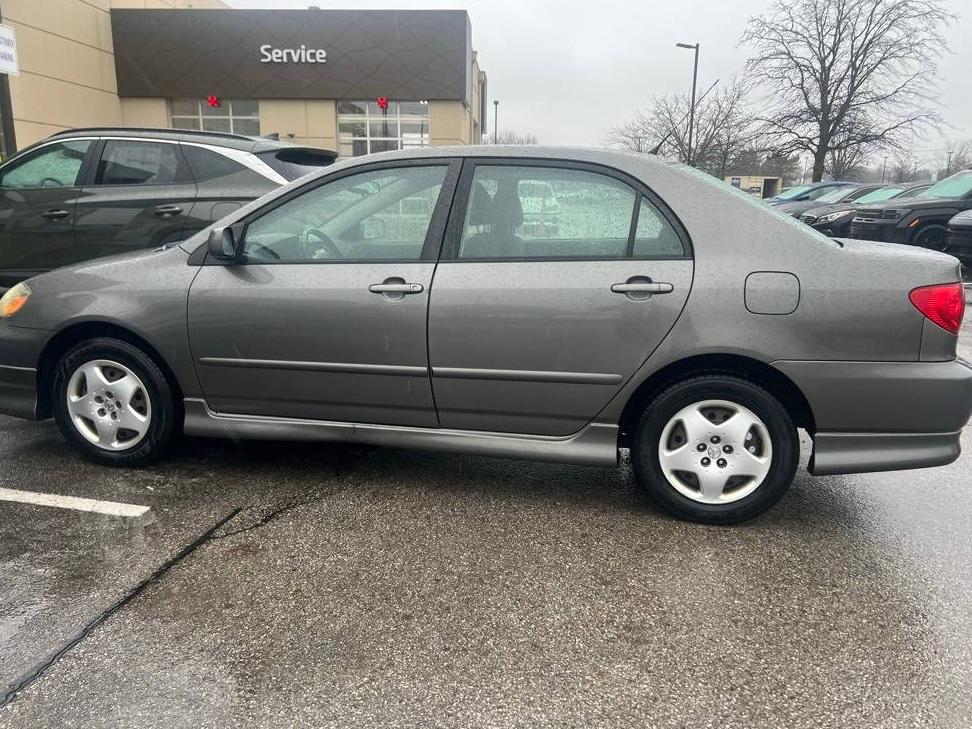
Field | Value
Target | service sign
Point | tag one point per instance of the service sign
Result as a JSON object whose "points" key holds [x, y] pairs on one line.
{"points": [[8, 51]]}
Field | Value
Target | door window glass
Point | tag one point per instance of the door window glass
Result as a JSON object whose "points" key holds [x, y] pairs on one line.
{"points": [[655, 236], [126, 162], [378, 215], [546, 212], [56, 165]]}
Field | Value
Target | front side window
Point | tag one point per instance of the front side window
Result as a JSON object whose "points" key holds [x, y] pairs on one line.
{"points": [[370, 216], [365, 128], [238, 116], [126, 162], [55, 165], [546, 212]]}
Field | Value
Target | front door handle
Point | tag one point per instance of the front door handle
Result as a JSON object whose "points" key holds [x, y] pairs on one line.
{"points": [[164, 211], [396, 288], [654, 287], [55, 214]]}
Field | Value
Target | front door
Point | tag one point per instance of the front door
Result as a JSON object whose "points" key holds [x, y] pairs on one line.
{"points": [[139, 196], [557, 282], [38, 194], [325, 316]]}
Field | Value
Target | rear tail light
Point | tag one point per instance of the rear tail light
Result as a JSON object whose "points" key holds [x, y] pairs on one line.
{"points": [[943, 304]]}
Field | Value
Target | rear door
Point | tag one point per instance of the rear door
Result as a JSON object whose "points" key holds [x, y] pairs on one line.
{"points": [[38, 194], [556, 282], [138, 196]]}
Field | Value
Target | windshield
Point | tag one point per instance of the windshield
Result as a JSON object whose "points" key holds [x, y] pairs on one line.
{"points": [[958, 185], [836, 194], [883, 193], [792, 192]]}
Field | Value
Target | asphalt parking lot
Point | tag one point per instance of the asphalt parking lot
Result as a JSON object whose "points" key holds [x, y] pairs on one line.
{"points": [[319, 585]]}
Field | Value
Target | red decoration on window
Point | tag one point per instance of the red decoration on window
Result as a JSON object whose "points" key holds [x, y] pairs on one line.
{"points": [[383, 103], [213, 101]]}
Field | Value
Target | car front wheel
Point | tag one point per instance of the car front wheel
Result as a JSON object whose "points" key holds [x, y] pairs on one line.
{"points": [[715, 449], [113, 402]]}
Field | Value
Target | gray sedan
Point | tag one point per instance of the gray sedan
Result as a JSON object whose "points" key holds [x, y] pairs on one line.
{"points": [[407, 300]]}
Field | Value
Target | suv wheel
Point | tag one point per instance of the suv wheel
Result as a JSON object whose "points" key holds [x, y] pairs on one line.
{"points": [[113, 402], [715, 449], [932, 237]]}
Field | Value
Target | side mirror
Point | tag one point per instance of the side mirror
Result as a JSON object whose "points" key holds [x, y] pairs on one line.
{"points": [[222, 243]]}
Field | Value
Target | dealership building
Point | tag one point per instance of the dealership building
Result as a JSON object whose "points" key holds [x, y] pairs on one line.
{"points": [[354, 81]]}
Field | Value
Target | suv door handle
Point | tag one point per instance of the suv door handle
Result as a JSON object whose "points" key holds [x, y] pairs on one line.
{"points": [[643, 288], [166, 210], [396, 288], [55, 214]]}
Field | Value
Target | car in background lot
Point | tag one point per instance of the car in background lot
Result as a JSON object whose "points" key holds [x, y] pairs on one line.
{"points": [[89, 193], [921, 220], [699, 342], [835, 219], [959, 242], [844, 194], [804, 193]]}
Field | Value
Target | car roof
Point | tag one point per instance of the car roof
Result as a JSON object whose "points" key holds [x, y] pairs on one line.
{"points": [[218, 139]]}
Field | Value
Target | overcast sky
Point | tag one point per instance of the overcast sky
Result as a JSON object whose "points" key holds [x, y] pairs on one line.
{"points": [[568, 70]]}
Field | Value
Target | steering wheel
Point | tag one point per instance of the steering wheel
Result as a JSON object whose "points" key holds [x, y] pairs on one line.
{"points": [[262, 251], [322, 249]]}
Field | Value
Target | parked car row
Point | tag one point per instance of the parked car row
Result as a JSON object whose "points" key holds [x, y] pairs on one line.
{"points": [[935, 216], [88, 193]]}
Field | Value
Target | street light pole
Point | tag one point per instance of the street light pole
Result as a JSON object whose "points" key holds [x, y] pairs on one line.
{"points": [[695, 78], [948, 164], [495, 121]]}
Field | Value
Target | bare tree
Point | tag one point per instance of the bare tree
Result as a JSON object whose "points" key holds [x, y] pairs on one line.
{"points": [[847, 73], [847, 163], [512, 138], [957, 157], [723, 128]]}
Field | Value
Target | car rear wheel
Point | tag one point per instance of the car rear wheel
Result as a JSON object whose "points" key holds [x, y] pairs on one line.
{"points": [[715, 449], [113, 402]]}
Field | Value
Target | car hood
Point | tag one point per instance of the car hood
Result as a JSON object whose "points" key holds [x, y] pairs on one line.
{"points": [[832, 208], [921, 204]]}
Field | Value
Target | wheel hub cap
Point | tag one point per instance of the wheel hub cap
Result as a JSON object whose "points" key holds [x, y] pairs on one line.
{"points": [[715, 452], [109, 405]]}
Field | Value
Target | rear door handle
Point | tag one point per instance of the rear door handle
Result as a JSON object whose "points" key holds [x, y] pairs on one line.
{"points": [[396, 288], [164, 211], [643, 288], [55, 214]]}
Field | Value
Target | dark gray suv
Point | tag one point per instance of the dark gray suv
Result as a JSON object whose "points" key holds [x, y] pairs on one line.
{"points": [[89, 193]]}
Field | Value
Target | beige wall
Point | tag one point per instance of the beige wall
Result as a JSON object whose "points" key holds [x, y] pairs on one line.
{"points": [[67, 68], [311, 122], [448, 123]]}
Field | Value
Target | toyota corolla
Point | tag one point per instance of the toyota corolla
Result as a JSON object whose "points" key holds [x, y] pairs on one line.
{"points": [[403, 300]]}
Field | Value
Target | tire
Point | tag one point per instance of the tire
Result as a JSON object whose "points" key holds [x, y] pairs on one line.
{"points": [[933, 237], [755, 464], [140, 398]]}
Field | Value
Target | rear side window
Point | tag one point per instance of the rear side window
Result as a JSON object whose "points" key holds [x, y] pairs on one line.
{"points": [[654, 235], [125, 162], [296, 162], [55, 165], [207, 165], [546, 212]]}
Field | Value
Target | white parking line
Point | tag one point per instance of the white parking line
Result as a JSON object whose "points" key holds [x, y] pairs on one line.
{"points": [[112, 508]]}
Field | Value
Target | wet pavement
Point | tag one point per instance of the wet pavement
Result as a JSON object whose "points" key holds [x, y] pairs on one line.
{"points": [[324, 586]]}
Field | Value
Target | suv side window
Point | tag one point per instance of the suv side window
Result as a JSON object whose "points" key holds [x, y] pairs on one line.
{"points": [[209, 166], [370, 216], [546, 212], [55, 165], [126, 162]]}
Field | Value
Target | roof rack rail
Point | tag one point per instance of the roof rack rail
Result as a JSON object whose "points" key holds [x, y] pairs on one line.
{"points": [[156, 130]]}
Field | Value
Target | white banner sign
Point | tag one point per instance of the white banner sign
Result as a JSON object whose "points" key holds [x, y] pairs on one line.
{"points": [[8, 51]]}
